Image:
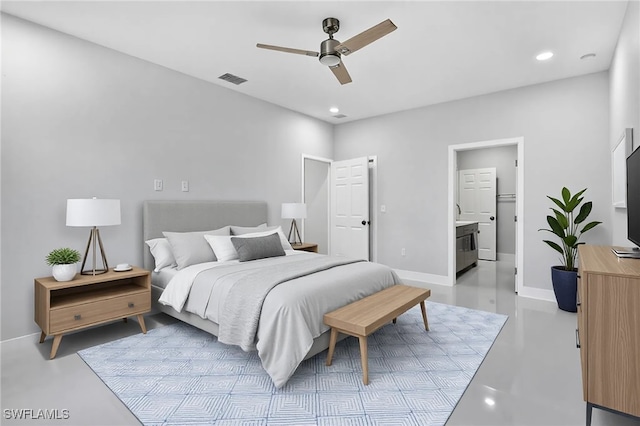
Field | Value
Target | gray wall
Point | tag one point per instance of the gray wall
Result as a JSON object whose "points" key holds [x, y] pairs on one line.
{"points": [[565, 128], [317, 200], [624, 109], [503, 159], [80, 120]]}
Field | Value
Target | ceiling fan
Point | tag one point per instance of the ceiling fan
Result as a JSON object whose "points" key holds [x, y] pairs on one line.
{"points": [[331, 49]]}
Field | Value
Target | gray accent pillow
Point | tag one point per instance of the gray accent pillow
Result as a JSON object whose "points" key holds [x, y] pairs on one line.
{"points": [[190, 248], [258, 247]]}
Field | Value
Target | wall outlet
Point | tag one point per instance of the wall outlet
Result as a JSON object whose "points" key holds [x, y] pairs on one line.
{"points": [[185, 186], [403, 252], [383, 208], [157, 184]]}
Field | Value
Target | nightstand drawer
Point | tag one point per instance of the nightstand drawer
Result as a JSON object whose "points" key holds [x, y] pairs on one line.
{"points": [[81, 315]]}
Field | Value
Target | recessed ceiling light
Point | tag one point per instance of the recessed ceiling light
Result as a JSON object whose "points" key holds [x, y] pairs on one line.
{"points": [[334, 110], [588, 56], [544, 56]]}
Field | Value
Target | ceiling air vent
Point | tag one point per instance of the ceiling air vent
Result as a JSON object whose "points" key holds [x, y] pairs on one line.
{"points": [[339, 116], [232, 78]]}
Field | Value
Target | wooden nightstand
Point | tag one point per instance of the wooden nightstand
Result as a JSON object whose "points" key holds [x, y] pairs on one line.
{"points": [[306, 247], [87, 300]]}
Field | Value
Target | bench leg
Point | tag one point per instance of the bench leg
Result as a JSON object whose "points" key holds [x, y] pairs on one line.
{"points": [[364, 358], [395, 320], [332, 345], [424, 315]]}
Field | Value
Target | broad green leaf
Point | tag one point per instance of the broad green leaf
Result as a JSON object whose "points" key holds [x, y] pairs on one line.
{"points": [[585, 210], [566, 195], [554, 246], [570, 240], [558, 203], [590, 225], [576, 196], [555, 226], [573, 204], [562, 219]]}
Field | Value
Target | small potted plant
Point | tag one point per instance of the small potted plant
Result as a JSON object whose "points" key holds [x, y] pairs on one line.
{"points": [[63, 262], [568, 227]]}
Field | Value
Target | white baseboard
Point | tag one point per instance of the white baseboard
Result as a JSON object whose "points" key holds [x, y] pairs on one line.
{"points": [[423, 277], [537, 293]]}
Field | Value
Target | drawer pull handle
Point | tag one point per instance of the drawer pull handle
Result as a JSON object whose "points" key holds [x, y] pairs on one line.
{"points": [[577, 339], [77, 317], [131, 305]]}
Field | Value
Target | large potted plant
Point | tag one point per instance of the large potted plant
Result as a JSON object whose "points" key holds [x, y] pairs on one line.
{"points": [[568, 227], [63, 262]]}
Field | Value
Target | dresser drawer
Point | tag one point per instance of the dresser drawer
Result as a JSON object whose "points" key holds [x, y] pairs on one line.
{"points": [[81, 315]]}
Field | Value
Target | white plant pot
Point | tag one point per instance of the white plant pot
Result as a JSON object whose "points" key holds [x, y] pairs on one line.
{"points": [[64, 272]]}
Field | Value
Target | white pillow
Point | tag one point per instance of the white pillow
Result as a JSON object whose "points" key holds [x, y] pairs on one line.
{"points": [[161, 252], [283, 238], [189, 248], [241, 230], [222, 247]]}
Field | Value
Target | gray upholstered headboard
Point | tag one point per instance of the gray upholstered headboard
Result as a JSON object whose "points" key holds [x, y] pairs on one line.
{"points": [[185, 216]]}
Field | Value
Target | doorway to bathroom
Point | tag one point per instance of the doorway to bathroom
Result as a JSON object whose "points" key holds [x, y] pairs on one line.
{"points": [[502, 209]]}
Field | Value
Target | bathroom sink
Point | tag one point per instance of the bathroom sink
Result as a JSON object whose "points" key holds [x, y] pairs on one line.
{"points": [[465, 222]]}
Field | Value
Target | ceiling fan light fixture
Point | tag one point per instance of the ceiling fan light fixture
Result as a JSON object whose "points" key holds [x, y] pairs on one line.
{"points": [[329, 59], [328, 54]]}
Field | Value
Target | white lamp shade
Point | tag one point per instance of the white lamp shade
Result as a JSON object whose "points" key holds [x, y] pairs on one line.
{"points": [[93, 212], [294, 211]]}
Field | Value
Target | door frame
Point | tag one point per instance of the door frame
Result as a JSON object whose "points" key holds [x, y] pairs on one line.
{"points": [[453, 184], [328, 162], [373, 201]]}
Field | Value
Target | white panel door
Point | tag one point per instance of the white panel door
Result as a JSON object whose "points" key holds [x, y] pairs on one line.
{"points": [[350, 208], [477, 200]]}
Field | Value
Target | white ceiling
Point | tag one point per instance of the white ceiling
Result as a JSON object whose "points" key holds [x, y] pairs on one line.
{"points": [[441, 51]]}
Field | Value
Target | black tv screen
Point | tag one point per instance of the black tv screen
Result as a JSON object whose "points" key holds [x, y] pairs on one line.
{"points": [[633, 197]]}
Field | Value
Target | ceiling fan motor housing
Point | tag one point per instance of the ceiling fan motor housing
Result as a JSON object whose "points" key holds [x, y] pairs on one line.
{"points": [[330, 25], [328, 54]]}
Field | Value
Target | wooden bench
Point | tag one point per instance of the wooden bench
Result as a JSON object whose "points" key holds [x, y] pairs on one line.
{"points": [[364, 316]]}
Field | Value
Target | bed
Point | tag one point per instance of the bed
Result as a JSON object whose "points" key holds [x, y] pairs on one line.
{"points": [[289, 326]]}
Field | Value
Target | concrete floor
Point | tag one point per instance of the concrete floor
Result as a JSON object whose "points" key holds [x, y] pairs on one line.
{"points": [[531, 375]]}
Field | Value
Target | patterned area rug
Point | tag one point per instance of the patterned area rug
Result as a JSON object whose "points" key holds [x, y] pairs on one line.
{"points": [[180, 375]]}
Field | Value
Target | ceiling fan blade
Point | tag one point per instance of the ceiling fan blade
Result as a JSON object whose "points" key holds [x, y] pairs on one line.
{"points": [[366, 37], [341, 73], [287, 50]]}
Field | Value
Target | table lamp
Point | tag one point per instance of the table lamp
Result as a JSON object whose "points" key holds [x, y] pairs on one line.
{"points": [[294, 211], [92, 213]]}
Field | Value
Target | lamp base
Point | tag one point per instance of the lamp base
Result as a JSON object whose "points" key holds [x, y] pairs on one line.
{"points": [[294, 226], [94, 272], [94, 239]]}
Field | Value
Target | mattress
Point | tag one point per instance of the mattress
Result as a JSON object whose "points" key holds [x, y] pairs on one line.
{"points": [[161, 279]]}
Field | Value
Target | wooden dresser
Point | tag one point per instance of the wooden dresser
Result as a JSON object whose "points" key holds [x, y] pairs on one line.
{"points": [[609, 330]]}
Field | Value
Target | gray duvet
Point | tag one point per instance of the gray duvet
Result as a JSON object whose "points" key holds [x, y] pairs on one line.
{"points": [[277, 305]]}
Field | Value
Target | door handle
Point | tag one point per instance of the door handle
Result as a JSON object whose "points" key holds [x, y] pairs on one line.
{"points": [[365, 222], [491, 218]]}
